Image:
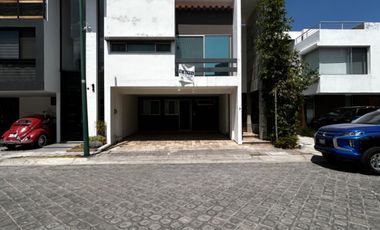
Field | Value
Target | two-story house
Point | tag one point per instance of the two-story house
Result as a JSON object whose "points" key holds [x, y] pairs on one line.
{"points": [[134, 50], [346, 55], [144, 43]]}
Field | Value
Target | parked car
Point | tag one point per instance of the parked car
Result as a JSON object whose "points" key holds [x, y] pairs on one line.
{"points": [[341, 115], [36, 130], [359, 140]]}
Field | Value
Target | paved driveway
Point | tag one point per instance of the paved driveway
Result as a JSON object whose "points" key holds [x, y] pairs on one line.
{"points": [[201, 196]]}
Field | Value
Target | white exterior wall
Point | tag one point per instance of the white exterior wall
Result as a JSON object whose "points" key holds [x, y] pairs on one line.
{"points": [[139, 19], [36, 105], [236, 98], [224, 114], [52, 47], [52, 57], [143, 74], [347, 83], [92, 65]]}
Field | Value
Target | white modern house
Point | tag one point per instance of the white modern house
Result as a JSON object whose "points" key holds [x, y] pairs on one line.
{"points": [[346, 54], [143, 45]]}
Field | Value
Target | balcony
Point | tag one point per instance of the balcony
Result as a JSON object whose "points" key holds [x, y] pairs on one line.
{"points": [[209, 67], [22, 9], [17, 68], [209, 54]]}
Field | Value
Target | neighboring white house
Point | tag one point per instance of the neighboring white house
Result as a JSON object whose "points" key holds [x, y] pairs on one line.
{"points": [[346, 54]]}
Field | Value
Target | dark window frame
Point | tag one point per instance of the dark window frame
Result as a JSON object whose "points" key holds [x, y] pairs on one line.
{"points": [[156, 44], [22, 33], [20, 7]]}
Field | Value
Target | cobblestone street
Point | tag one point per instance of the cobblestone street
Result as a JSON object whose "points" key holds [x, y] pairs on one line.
{"points": [[200, 196]]}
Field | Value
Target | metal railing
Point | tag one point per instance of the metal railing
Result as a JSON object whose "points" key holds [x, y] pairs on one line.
{"points": [[330, 25], [210, 66], [14, 68]]}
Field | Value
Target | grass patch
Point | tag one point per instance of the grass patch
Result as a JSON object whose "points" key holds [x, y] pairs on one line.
{"points": [[79, 148]]}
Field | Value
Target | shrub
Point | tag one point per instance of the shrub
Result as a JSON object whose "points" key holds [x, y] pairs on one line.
{"points": [[97, 141], [306, 132], [289, 142], [101, 128]]}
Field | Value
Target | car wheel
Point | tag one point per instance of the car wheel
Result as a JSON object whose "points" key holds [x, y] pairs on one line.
{"points": [[11, 147], [329, 157], [371, 160], [42, 141]]}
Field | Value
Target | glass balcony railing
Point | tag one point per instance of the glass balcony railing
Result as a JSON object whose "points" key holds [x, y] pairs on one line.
{"points": [[210, 54]]}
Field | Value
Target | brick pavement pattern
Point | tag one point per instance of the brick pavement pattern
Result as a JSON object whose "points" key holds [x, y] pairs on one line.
{"points": [[202, 196]]}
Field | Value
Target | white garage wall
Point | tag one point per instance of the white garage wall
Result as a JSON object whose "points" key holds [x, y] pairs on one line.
{"points": [[36, 105], [130, 115], [224, 114]]}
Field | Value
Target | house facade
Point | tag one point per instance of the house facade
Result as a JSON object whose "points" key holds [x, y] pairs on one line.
{"points": [[134, 53], [346, 55]]}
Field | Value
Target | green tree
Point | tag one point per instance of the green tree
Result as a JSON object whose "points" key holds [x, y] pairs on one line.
{"points": [[282, 73]]}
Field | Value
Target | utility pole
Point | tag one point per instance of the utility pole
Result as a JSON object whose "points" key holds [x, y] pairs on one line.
{"points": [[86, 145]]}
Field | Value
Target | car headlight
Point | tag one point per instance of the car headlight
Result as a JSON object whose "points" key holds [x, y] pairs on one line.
{"points": [[354, 133]]}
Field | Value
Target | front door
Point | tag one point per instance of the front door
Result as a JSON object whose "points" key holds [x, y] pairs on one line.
{"points": [[9, 113], [185, 115]]}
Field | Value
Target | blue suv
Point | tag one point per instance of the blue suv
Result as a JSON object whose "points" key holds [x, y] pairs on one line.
{"points": [[359, 140]]}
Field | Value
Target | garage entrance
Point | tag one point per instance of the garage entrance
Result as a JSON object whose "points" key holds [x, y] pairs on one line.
{"points": [[178, 114], [9, 113]]}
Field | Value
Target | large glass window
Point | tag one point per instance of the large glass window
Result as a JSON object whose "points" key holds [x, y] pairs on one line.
{"points": [[17, 44], [345, 60], [9, 44], [206, 46], [217, 47], [359, 61]]}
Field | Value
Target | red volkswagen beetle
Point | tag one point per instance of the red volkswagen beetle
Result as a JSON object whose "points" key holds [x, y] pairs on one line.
{"points": [[36, 130]]}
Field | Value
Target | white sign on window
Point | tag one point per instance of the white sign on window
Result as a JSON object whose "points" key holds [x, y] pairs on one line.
{"points": [[186, 73]]}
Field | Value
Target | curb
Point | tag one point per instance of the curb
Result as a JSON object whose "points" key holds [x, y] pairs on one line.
{"points": [[155, 160]]}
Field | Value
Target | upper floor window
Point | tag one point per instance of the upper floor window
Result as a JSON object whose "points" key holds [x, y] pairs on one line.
{"points": [[23, 9], [18, 44], [205, 47], [345, 60], [140, 46]]}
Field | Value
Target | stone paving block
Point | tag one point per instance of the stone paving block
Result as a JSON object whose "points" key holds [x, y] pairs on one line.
{"points": [[214, 196]]}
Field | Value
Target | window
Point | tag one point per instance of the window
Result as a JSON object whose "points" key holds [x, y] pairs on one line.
{"points": [[151, 107], [17, 44], [24, 9], [140, 46], [163, 47], [345, 60], [118, 47], [171, 107], [207, 46]]}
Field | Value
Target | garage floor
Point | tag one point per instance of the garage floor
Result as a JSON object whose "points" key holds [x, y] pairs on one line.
{"points": [[174, 141], [179, 141]]}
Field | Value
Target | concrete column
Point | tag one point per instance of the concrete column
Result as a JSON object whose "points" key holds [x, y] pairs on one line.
{"points": [[91, 65], [58, 117]]}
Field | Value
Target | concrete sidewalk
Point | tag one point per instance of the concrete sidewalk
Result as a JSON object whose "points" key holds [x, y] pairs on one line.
{"points": [[122, 154]]}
